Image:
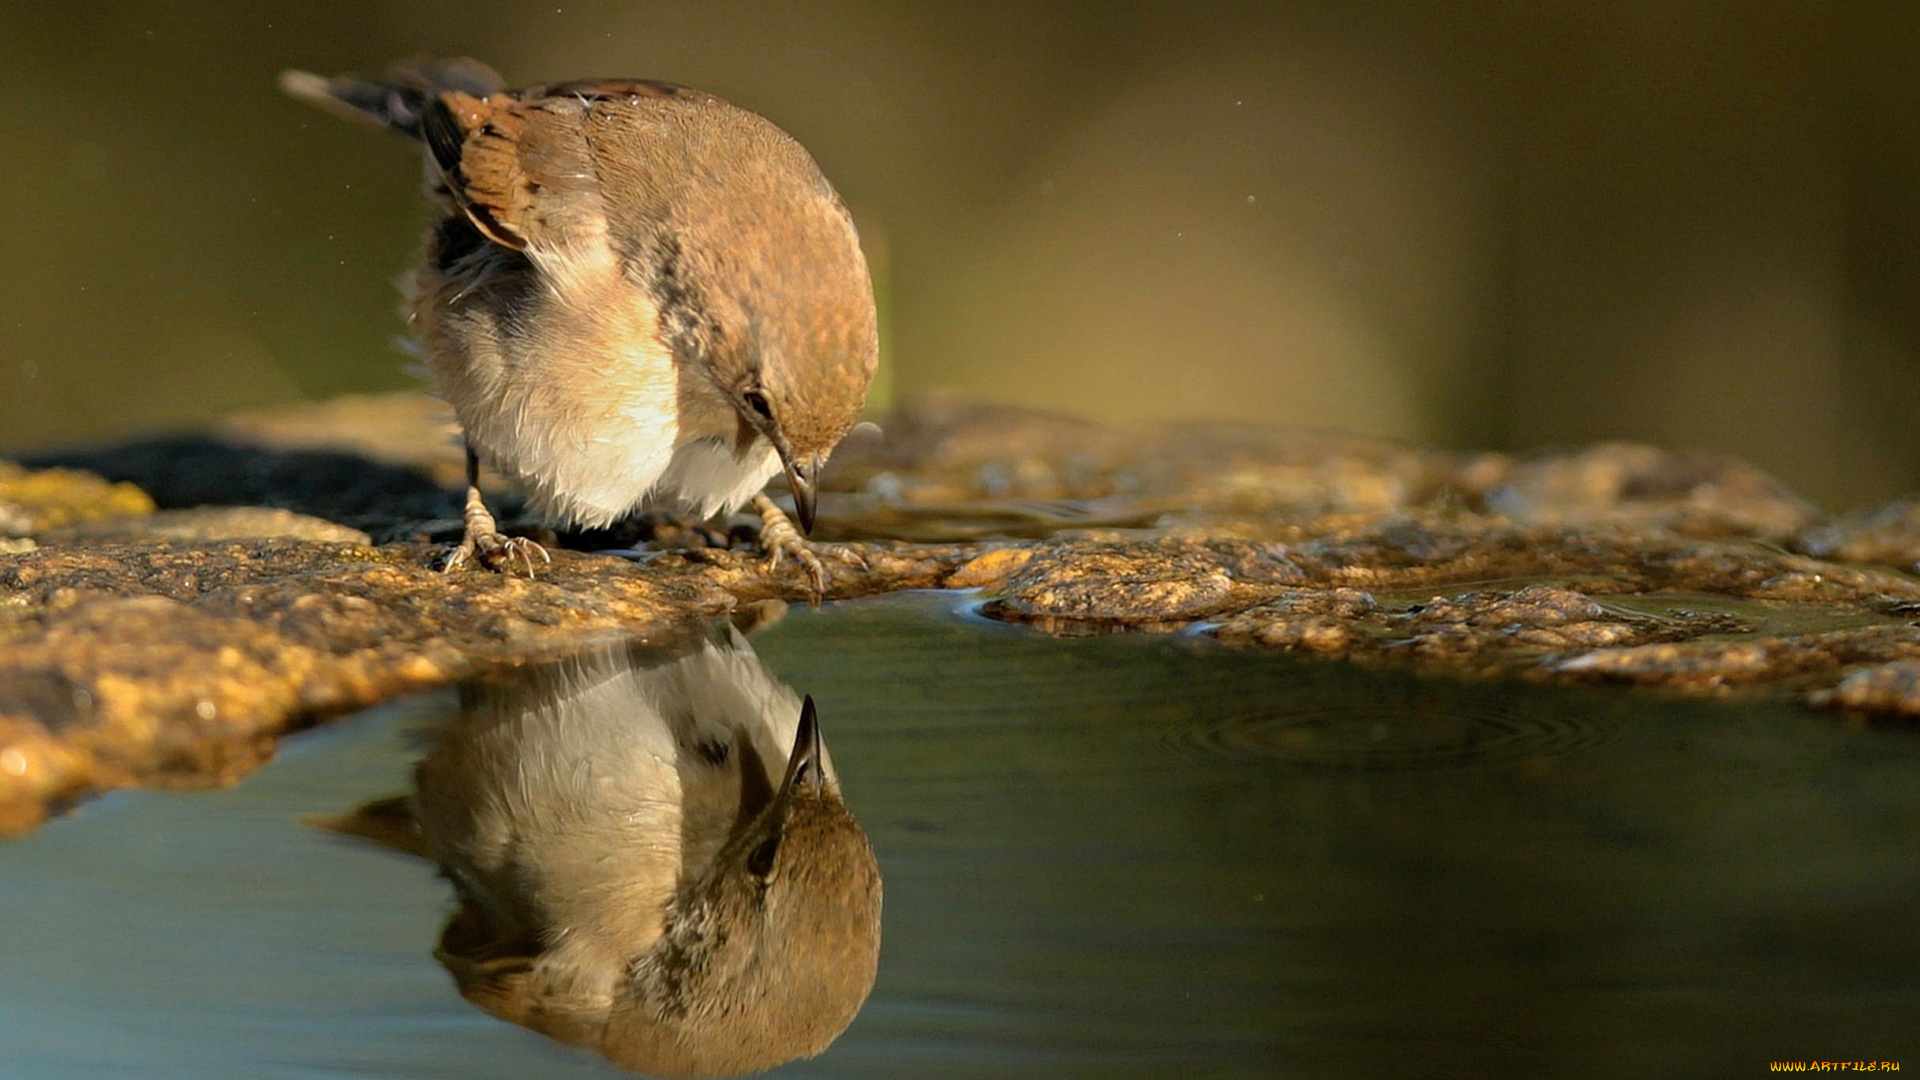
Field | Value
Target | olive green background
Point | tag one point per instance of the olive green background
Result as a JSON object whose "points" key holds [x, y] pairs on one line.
{"points": [[1475, 224]]}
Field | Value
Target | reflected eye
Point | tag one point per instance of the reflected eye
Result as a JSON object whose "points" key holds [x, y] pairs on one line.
{"points": [[757, 401], [760, 859]]}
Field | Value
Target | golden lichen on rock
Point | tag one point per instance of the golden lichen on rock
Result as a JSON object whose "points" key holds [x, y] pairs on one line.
{"points": [[33, 501]]}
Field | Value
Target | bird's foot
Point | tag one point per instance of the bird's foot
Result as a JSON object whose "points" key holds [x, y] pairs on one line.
{"points": [[487, 547], [779, 539], [497, 551]]}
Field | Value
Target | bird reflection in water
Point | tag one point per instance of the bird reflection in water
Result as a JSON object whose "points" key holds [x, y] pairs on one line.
{"points": [[651, 856]]}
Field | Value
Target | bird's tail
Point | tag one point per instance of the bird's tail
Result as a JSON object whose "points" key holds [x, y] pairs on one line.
{"points": [[399, 99]]}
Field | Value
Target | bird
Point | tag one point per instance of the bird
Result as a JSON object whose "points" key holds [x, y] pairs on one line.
{"points": [[636, 295], [652, 858]]}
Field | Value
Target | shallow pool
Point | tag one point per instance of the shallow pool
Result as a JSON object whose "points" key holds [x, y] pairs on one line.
{"points": [[1112, 856]]}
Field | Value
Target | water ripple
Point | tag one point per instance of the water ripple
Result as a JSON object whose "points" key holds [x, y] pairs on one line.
{"points": [[1417, 732]]}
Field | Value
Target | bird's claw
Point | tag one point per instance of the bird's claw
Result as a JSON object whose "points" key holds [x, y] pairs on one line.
{"points": [[493, 550], [482, 541], [816, 571], [779, 539]]}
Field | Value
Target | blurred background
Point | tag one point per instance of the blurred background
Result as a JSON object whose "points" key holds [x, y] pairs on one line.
{"points": [[1488, 223]]}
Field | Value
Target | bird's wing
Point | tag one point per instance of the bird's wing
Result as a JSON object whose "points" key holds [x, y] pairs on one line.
{"points": [[518, 170], [518, 165], [522, 165]]}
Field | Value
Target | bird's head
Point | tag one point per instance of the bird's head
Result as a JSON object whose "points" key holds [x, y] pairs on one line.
{"points": [[769, 954], [765, 296]]}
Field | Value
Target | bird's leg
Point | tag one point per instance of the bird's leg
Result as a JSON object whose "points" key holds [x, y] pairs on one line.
{"points": [[483, 541], [778, 537]]}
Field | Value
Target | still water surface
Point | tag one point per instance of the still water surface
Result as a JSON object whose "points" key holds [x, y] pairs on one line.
{"points": [[1123, 856]]}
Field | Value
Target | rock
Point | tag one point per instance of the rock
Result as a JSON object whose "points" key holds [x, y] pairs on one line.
{"points": [[1084, 586], [156, 663], [1692, 493], [1888, 535], [161, 663], [189, 471], [289, 574], [1336, 621], [413, 431], [207, 524], [33, 501], [1718, 664], [1891, 688]]}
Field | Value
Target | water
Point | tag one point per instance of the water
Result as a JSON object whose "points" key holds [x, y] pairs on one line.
{"points": [[1121, 856]]}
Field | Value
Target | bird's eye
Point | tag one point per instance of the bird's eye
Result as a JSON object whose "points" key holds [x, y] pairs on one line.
{"points": [[760, 859], [757, 401]]}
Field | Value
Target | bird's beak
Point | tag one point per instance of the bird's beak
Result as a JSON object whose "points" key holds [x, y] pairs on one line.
{"points": [[801, 481], [807, 763]]}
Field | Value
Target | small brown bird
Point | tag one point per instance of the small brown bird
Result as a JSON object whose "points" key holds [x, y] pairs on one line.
{"points": [[639, 295], [652, 859]]}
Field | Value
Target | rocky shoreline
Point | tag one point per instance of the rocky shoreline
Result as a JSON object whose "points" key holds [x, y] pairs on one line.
{"points": [[170, 607]]}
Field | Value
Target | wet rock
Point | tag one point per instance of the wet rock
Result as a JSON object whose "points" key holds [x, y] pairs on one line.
{"points": [[1888, 535], [1891, 688], [942, 449], [150, 663], [161, 663], [1090, 586], [1334, 621], [290, 572], [1718, 664], [1478, 631], [976, 470], [1403, 554], [1538, 617], [1689, 492]]}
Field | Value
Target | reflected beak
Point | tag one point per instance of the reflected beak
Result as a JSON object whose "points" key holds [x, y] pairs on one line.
{"points": [[805, 764], [801, 482]]}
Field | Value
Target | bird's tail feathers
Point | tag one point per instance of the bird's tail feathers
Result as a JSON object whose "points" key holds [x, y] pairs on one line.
{"points": [[397, 100]]}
